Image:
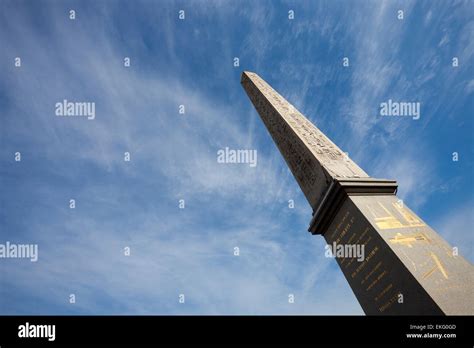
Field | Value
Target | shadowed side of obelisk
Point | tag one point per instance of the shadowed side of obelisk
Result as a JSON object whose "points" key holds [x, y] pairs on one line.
{"points": [[406, 268]]}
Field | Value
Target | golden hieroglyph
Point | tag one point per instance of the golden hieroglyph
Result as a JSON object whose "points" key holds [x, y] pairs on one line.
{"points": [[397, 216]]}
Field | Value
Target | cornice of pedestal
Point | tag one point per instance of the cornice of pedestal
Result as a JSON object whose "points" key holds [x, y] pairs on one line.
{"points": [[339, 190]]}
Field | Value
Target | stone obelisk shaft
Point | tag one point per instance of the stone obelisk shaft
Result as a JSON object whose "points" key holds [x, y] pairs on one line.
{"points": [[313, 159]]}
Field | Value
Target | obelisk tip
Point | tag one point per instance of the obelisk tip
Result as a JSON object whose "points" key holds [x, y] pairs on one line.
{"points": [[246, 75]]}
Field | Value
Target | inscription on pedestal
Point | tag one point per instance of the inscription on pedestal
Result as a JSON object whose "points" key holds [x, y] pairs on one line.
{"points": [[380, 282], [437, 267]]}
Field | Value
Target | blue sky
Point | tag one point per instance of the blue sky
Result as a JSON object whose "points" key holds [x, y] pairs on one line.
{"points": [[190, 251]]}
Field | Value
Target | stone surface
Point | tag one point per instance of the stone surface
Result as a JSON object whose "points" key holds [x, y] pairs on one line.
{"points": [[407, 267], [313, 159]]}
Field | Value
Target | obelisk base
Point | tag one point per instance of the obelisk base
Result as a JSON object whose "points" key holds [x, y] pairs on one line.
{"points": [[406, 268]]}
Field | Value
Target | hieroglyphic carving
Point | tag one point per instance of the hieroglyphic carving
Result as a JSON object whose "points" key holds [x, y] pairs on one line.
{"points": [[283, 119]]}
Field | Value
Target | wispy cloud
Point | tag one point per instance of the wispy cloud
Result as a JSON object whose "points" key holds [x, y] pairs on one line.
{"points": [[173, 251]]}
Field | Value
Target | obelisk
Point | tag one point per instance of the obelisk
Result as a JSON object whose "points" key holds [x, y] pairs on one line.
{"points": [[407, 267]]}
